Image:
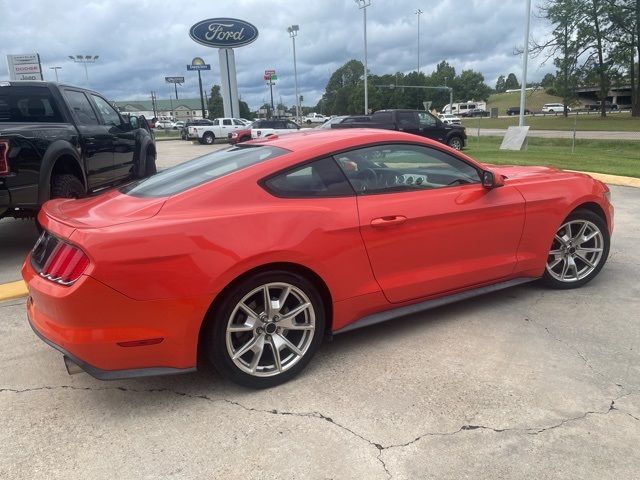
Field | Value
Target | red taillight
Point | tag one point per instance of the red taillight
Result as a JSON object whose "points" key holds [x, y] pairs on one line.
{"points": [[4, 157], [65, 265]]}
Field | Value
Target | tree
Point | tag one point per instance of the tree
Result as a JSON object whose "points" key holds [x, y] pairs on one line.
{"points": [[548, 80], [625, 19], [511, 83], [341, 85], [245, 112], [470, 86], [501, 85], [564, 46], [214, 104]]}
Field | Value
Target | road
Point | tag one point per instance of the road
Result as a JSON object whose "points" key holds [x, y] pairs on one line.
{"points": [[524, 383]]}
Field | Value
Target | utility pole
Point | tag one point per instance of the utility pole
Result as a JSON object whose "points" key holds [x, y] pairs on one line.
{"points": [[418, 13], [293, 32], [362, 5], [525, 59], [55, 69], [153, 104]]}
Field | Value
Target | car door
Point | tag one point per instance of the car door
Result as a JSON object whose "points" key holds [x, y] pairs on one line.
{"points": [[122, 136], [428, 224], [431, 127], [95, 139]]}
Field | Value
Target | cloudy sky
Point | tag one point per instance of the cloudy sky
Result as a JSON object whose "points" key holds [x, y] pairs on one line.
{"points": [[141, 41]]}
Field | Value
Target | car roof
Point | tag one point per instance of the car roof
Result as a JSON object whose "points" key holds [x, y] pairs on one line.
{"points": [[338, 138]]}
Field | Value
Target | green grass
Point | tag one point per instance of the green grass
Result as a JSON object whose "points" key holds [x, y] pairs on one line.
{"points": [[614, 122], [162, 134], [535, 100], [601, 156]]}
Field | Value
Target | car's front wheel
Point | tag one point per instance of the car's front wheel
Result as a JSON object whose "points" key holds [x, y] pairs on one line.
{"points": [[578, 251], [267, 329], [208, 138]]}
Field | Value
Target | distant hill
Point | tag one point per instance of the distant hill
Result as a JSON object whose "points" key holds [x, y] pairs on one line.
{"points": [[534, 102]]}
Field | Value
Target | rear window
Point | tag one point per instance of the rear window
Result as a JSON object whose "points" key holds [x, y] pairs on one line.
{"points": [[27, 105], [201, 170]]}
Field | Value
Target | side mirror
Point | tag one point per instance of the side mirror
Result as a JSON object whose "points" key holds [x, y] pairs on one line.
{"points": [[133, 122], [491, 180]]}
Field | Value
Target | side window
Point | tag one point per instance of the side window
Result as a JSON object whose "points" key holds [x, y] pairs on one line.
{"points": [[393, 168], [108, 113], [81, 108], [292, 126], [426, 120], [226, 121], [322, 178], [407, 120], [216, 122], [237, 122]]}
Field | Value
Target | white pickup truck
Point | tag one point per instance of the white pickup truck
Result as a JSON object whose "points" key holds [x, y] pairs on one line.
{"points": [[314, 118], [266, 128], [220, 128]]}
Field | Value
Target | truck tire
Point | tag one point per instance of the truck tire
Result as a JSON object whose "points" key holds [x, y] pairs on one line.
{"points": [[208, 138], [66, 186], [455, 142], [150, 164]]}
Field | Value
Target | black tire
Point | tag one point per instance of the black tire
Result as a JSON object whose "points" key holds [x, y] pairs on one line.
{"points": [[308, 122], [456, 142], [66, 186], [208, 138], [218, 352], [580, 215], [150, 164]]}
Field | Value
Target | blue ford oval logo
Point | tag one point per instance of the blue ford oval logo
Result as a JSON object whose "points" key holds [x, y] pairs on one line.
{"points": [[223, 32]]}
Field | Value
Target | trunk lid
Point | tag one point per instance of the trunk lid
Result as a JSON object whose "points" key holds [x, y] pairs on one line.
{"points": [[110, 208]]}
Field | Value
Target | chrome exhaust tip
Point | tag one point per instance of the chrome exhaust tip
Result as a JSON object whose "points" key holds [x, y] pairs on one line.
{"points": [[71, 366]]}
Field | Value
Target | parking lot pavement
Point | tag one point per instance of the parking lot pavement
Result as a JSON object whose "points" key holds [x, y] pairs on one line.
{"points": [[525, 383], [173, 152], [17, 237]]}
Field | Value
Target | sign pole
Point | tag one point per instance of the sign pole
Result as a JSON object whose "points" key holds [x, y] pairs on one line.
{"points": [[271, 92], [201, 96]]}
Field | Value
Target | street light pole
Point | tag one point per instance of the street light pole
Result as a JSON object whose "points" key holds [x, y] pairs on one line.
{"points": [[55, 69], [525, 60], [293, 33], [84, 59], [418, 13], [362, 5]]}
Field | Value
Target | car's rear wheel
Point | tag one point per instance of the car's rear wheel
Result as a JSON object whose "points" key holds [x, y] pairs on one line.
{"points": [[267, 329], [208, 138], [578, 251], [455, 142]]}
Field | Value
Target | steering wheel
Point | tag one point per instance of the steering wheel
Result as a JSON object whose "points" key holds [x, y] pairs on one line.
{"points": [[369, 177]]}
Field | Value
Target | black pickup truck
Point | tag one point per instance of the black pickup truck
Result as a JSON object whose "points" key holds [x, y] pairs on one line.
{"points": [[63, 141], [417, 122]]}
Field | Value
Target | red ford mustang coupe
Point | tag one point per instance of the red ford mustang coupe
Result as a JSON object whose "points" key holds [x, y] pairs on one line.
{"points": [[250, 255]]}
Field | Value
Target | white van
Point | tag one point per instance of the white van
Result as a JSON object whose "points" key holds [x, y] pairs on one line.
{"points": [[554, 108]]}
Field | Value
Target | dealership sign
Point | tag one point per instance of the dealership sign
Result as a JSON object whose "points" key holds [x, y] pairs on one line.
{"points": [[223, 32], [24, 67], [179, 80]]}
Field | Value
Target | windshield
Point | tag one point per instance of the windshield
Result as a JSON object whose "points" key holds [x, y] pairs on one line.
{"points": [[201, 170], [28, 104]]}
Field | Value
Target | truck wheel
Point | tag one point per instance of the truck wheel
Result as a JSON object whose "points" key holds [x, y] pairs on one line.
{"points": [[150, 164], [66, 186], [208, 138], [308, 122], [455, 142]]}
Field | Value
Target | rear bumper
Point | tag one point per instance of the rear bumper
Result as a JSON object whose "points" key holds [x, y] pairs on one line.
{"points": [[87, 320]]}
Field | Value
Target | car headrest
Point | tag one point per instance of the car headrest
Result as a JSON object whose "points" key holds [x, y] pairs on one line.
{"points": [[35, 107]]}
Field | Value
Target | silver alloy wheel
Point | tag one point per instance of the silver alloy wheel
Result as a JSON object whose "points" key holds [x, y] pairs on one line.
{"points": [[270, 329], [455, 143], [576, 251]]}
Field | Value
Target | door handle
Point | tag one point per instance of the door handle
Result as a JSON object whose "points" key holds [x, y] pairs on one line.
{"points": [[389, 221]]}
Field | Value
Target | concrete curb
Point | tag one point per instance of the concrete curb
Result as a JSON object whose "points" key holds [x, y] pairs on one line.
{"points": [[614, 179], [9, 291]]}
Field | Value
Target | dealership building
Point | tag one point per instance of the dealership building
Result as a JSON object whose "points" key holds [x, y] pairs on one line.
{"points": [[183, 109]]}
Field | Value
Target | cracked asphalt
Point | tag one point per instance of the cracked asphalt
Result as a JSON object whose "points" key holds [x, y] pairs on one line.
{"points": [[524, 383]]}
